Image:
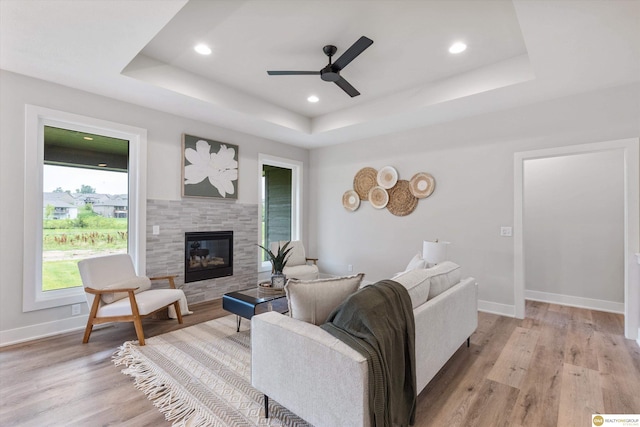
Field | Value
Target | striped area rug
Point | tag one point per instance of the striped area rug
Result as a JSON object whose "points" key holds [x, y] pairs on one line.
{"points": [[201, 376]]}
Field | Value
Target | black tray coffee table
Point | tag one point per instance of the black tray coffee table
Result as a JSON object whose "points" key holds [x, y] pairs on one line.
{"points": [[249, 302]]}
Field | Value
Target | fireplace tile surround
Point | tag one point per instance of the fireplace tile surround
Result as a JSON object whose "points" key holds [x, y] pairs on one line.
{"points": [[165, 251]]}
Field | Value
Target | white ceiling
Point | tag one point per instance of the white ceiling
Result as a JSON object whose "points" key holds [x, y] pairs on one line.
{"points": [[519, 52]]}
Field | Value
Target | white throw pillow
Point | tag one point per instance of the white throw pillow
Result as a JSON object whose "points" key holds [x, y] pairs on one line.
{"points": [[416, 262], [140, 282], [442, 277], [312, 301], [417, 283]]}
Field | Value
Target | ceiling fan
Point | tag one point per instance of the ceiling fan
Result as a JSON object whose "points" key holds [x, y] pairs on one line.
{"points": [[331, 73]]}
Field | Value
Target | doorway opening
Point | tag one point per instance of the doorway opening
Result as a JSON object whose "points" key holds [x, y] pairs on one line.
{"points": [[574, 230], [630, 150]]}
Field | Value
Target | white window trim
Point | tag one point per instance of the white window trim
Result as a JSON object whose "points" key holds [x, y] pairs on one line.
{"points": [[296, 197], [35, 120]]}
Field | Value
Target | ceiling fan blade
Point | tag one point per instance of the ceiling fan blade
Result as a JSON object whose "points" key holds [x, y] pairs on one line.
{"points": [[346, 86], [293, 73], [350, 54]]}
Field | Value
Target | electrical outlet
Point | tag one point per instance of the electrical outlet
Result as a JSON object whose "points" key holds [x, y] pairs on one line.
{"points": [[349, 267], [506, 231], [75, 310]]}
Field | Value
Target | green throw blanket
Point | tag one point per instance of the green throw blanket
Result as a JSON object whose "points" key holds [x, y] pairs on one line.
{"points": [[377, 321]]}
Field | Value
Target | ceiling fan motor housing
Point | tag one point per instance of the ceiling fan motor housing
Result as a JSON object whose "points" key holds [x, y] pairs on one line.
{"points": [[329, 75]]}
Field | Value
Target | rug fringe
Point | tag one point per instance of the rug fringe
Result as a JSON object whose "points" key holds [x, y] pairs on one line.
{"points": [[177, 407]]}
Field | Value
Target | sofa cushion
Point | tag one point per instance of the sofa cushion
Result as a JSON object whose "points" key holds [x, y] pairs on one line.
{"points": [[417, 283], [140, 282], [442, 277], [313, 300], [147, 302], [301, 272]]}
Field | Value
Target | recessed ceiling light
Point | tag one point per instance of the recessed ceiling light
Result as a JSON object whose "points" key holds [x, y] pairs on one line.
{"points": [[457, 47], [202, 49], [88, 138], [313, 98]]}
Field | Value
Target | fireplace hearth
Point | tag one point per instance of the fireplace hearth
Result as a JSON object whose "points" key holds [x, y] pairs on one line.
{"points": [[208, 255]]}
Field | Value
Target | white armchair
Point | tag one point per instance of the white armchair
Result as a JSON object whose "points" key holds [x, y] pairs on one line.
{"points": [[298, 265], [102, 276]]}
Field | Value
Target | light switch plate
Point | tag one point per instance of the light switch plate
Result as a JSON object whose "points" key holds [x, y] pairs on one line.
{"points": [[506, 231], [156, 229]]}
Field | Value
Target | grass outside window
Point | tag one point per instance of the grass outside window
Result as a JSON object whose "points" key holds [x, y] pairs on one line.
{"points": [[64, 247]]}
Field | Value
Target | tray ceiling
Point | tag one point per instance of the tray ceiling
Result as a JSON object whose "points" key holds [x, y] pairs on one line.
{"points": [[519, 52]]}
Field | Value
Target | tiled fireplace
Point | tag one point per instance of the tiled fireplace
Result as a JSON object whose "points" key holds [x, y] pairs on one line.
{"points": [[166, 251]]}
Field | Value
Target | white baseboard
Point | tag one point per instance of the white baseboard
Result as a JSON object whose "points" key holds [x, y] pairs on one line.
{"points": [[497, 308], [572, 301], [42, 330]]}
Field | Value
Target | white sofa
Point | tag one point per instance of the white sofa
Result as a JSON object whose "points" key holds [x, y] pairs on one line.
{"points": [[325, 382]]}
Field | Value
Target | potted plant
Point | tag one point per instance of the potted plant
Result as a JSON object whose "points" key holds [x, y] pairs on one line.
{"points": [[278, 261]]}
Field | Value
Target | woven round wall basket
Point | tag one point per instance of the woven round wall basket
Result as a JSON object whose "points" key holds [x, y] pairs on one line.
{"points": [[364, 181], [350, 200], [401, 201], [422, 185], [387, 177], [378, 197]]}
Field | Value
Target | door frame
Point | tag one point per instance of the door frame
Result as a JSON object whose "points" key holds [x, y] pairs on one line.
{"points": [[631, 150]]}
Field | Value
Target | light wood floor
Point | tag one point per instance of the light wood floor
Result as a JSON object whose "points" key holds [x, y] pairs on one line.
{"points": [[554, 368]]}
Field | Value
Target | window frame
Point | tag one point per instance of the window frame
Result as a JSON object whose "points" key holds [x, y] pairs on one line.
{"points": [[296, 198], [34, 298]]}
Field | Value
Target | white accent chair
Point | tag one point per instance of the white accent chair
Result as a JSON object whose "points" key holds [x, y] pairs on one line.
{"points": [[298, 265], [135, 299]]}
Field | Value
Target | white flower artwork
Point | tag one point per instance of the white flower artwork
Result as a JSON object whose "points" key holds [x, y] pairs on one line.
{"points": [[207, 173]]}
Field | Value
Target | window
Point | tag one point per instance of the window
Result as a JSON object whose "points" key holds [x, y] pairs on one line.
{"points": [[38, 156], [280, 207], [85, 200]]}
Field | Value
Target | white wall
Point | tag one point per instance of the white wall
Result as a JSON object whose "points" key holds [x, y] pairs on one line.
{"points": [[163, 180], [471, 159], [472, 162], [574, 226]]}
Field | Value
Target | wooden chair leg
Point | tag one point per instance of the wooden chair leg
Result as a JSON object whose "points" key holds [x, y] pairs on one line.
{"points": [[137, 320], [176, 305], [87, 331], [92, 316]]}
